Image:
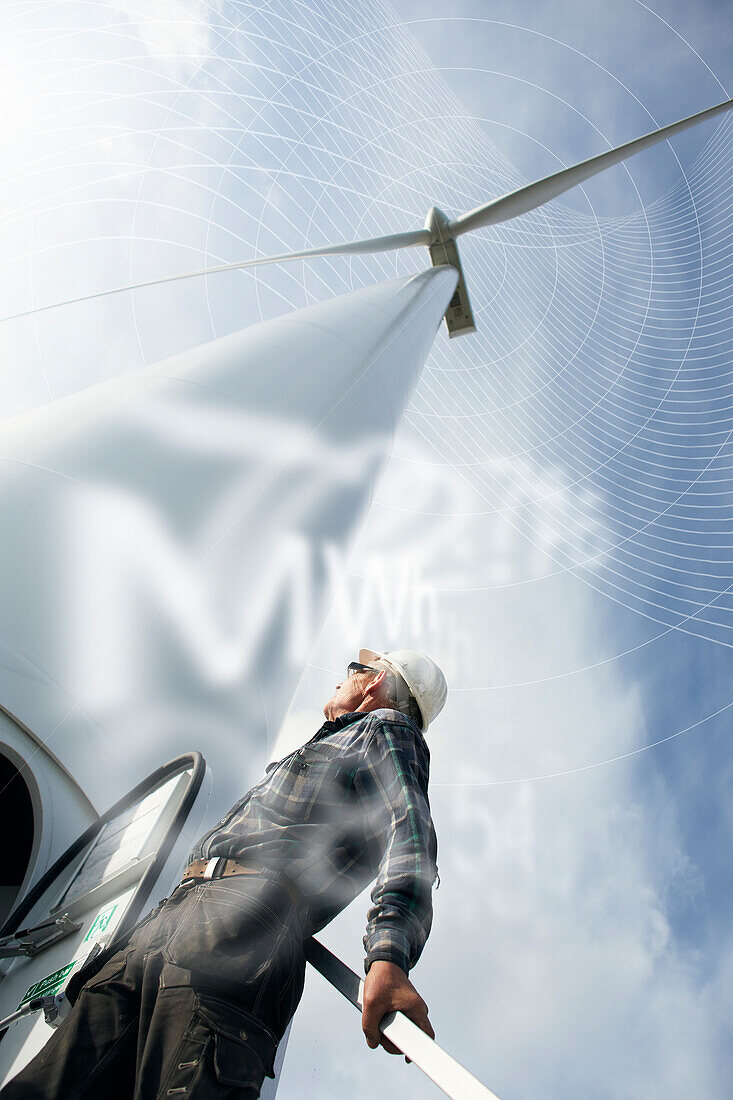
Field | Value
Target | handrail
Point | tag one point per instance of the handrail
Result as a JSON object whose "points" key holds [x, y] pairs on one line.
{"points": [[448, 1074]]}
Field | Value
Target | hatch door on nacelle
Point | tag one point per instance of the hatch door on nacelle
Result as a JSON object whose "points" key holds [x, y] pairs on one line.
{"points": [[95, 891]]}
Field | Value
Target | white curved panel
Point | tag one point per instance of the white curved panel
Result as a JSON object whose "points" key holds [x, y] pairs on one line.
{"points": [[60, 810]]}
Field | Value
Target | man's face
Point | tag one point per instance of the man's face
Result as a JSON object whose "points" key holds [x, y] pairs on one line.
{"points": [[351, 694]]}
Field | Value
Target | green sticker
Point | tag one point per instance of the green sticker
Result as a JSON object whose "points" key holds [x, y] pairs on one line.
{"points": [[49, 985], [100, 922]]}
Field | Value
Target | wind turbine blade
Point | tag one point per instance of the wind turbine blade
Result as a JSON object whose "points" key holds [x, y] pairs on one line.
{"points": [[389, 243], [537, 194]]}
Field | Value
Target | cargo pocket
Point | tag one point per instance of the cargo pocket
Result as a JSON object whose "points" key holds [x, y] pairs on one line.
{"points": [[244, 1048], [236, 1063]]}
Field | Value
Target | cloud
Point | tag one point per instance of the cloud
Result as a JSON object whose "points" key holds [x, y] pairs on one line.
{"points": [[553, 967], [177, 31]]}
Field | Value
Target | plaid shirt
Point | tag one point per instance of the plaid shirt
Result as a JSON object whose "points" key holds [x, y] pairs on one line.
{"points": [[351, 804]]}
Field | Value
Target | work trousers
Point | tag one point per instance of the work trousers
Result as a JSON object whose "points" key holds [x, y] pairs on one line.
{"points": [[193, 1006]]}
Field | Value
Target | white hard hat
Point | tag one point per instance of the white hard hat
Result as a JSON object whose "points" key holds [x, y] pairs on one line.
{"points": [[421, 674]]}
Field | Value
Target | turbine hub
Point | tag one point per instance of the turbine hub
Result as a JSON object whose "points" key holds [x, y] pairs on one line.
{"points": [[437, 225]]}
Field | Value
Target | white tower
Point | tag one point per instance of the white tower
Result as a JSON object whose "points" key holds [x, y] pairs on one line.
{"points": [[172, 540]]}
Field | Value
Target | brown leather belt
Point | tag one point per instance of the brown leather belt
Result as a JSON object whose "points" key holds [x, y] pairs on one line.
{"points": [[208, 870]]}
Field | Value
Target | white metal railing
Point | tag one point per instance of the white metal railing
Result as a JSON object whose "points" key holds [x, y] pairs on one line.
{"points": [[448, 1074]]}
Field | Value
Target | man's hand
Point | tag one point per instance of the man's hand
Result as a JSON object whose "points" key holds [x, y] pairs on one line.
{"points": [[388, 989]]}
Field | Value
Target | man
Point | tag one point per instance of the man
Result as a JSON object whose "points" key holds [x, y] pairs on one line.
{"points": [[194, 1002]]}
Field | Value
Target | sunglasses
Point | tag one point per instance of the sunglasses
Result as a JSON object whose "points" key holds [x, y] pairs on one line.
{"points": [[355, 667]]}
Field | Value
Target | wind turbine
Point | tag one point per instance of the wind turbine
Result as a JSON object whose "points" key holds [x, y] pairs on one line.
{"points": [[143, 513], [440, 233]]}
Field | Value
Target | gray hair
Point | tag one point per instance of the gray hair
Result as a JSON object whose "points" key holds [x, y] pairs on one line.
{"points": [[399, 695]]}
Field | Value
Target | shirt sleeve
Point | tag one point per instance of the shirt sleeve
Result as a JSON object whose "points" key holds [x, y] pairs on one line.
{"points": [[392, 784]]}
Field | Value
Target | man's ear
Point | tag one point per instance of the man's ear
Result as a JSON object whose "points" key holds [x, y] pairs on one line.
{"points": [[374, 681]]}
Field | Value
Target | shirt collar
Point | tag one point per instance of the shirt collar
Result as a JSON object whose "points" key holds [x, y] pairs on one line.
{"points": [[331, 725]]}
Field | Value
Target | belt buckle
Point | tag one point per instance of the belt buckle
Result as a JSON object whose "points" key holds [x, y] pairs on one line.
{"points": [[212, 866], [207, 874]]}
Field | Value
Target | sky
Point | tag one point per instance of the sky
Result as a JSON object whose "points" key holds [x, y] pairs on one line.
{"points": [[553, 524]]}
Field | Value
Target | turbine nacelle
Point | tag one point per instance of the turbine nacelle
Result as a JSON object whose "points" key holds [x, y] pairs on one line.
{"points": [[444, 250]]}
